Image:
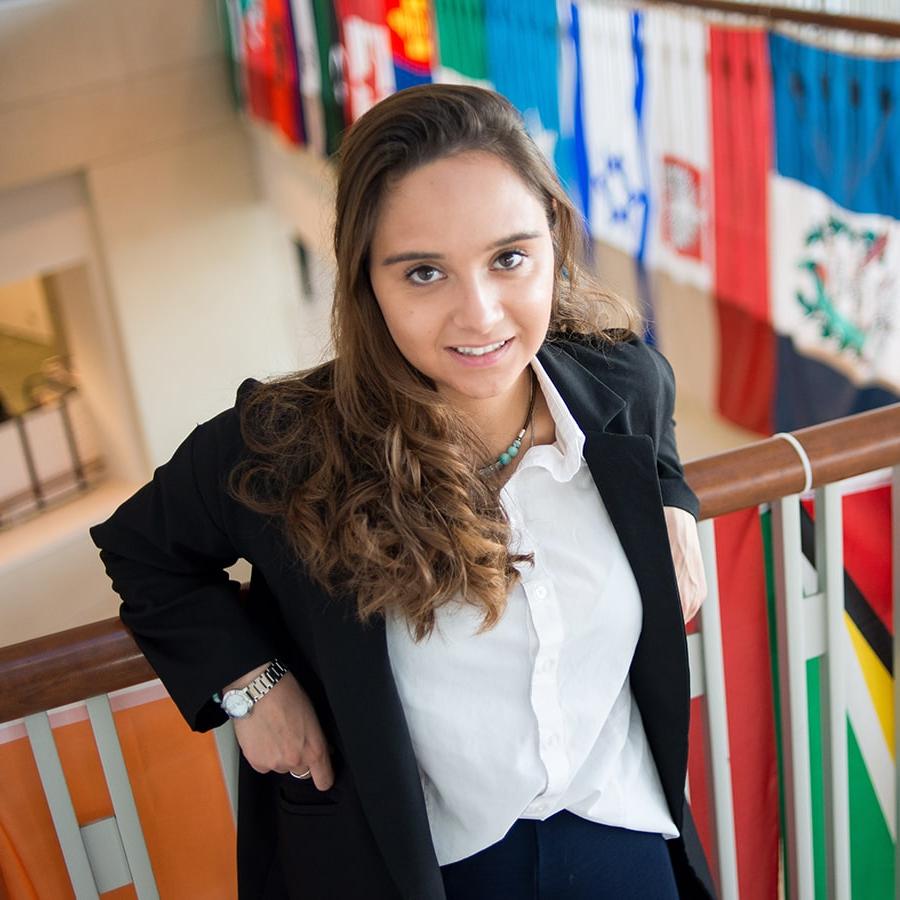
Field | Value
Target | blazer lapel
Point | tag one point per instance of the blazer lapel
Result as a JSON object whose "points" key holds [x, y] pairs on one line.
{"points": [[624, 470], [623, 467]]}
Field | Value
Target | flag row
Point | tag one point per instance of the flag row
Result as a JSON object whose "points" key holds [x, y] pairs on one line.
{"points": [[751, 166]]}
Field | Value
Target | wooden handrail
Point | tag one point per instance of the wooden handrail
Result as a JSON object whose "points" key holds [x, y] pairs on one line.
{"points": [[766, 470], [95, 659], [772, 13], [70, 665]]}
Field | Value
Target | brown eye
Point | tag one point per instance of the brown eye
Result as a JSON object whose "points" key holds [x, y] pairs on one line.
{"points": [[510, 259], [423, 275]]}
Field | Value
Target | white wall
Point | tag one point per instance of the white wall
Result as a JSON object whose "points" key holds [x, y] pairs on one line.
{"points": [[124, 166], [299, 190], [89, 80], [201, 279]]}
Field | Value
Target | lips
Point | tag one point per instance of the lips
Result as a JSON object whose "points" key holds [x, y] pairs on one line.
{"points": [[480, 350], [484, 359]]}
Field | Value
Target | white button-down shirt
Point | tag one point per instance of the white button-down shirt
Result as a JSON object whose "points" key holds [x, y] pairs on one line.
{"points": [[535, 715]]}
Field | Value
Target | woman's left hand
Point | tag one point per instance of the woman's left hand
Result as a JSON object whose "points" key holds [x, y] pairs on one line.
{"points": [[685, 542]]}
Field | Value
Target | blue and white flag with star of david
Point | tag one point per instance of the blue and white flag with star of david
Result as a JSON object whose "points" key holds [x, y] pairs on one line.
{"points": [[613, 86]]}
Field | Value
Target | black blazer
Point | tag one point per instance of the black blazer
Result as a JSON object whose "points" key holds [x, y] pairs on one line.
{"points": [[368, 837]]}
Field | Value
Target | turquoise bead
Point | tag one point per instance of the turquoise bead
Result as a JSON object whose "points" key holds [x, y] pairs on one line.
{"points": [[513, 451], [504, 458]]}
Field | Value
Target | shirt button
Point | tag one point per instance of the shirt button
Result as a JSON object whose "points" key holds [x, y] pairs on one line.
{"points": [[540, 592], [552, 740]]}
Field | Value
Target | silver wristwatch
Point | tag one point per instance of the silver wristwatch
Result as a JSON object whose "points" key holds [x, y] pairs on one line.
{"points": [[238, 703]]}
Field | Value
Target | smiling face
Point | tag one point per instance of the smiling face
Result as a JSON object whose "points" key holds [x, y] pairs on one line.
{"points": [[462, 267]]}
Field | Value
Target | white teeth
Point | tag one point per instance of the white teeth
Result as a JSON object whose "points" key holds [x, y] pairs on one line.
{"points": [[479, 351]]}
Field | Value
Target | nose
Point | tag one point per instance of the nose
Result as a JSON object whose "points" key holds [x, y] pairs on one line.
{"points": [[478, 307]]}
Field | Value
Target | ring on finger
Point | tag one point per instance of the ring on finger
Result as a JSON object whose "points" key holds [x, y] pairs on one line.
{"points": [[305, 774]]}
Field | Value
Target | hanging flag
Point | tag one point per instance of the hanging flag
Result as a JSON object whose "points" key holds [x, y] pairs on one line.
{"points": [[310, 74], [368, 58], [571, 152], [835, 233], [409, 22], [259, 66], [868, 687], [333, 92], [285, 84], [619, 194], [751, 719], [740, 104], [615, 138], [232, 26], [741, 572], [461, 53], [527, 30], [868, 653], [870, 708], [678, 138]]}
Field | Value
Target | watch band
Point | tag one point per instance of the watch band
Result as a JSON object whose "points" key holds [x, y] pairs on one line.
{"points": [[259, 687], [262, 684]]}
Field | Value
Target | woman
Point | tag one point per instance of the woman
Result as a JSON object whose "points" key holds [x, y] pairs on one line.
{"points": [[462, 668]]}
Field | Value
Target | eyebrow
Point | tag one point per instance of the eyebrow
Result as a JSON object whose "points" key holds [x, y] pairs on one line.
{"points": [[414, 255]]}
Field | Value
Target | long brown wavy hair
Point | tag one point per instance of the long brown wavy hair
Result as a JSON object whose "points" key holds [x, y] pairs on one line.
{"points": [[372, 475]]}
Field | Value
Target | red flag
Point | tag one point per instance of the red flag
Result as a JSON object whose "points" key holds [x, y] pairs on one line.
{"points": [[741, 105], [368, 60], [285, 83], [751, 717]]}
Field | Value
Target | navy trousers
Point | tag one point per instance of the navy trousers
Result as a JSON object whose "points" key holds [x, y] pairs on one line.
{"points": [[565, 857]]}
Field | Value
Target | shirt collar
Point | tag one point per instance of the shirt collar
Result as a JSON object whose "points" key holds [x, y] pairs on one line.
{"points": [[563, 458]]}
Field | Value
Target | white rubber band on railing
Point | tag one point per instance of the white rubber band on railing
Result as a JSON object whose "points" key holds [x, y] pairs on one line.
{"points": [[807, 466]]}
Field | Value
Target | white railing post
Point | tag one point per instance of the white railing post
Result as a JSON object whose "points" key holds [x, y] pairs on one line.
{"points": [[830, 574], [107, 739], [229, 759], [59, 800], [718, 751], [790, 603]]}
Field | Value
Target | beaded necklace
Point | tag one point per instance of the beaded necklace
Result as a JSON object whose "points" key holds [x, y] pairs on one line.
{"points": [[507, 456]]}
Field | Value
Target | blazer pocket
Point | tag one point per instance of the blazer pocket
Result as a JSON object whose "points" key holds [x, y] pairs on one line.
{"points": [[300, 797], [309, 809], [325, 847]]}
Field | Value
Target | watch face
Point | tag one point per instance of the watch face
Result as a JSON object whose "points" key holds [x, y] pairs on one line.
{"points": [[236, 704]]}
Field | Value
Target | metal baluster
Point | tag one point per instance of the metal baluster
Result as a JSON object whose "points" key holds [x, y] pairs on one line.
{"points": [[36, 488], [717, 718], [122, 798], [229, 753], [59, 800], [72, 444], [830, 571], [790, 603]]}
